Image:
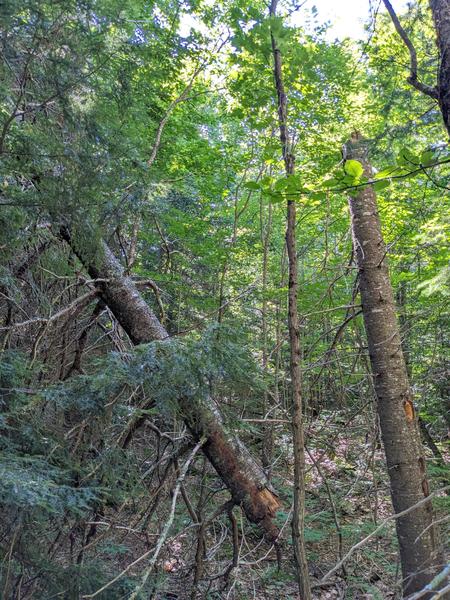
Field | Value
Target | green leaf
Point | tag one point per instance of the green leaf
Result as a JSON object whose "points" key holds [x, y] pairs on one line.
{"points": [[318, 195], [381, 185], [427, 158], [354, 168], [330, 183], [280, 184], [252, 185], [276, 197], [267, 181], [293, 184], [407, 158], [350, 180], [386, 172]]}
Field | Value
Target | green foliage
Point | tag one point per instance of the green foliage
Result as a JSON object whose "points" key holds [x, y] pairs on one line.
{"points": [[208, 221], [438, 284], [353, 168], [31, 483], [184, 367]]}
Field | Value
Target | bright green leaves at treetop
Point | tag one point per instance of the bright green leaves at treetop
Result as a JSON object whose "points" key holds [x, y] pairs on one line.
{"points": [[353, 168]]}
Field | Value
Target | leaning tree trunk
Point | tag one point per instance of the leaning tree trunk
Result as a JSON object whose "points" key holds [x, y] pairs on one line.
{"points": [[398, 419], [243, 477], [441, 17], [298, 516]]}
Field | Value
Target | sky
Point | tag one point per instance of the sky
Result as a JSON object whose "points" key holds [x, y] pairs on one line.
{"points": [[347, 17]]}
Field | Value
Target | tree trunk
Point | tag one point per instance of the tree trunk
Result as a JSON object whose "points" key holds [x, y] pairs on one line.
{"points": [[398, 420], [268, 431], [243, 477], [298, 517], [441, 17]]}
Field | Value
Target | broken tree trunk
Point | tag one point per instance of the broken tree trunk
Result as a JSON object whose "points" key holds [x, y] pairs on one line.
{"points": [[241, 474], [398, 420]]}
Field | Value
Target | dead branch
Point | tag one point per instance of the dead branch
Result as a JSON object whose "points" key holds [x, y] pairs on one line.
{"points": [[162, 537], [361, 543], [78, 303]]}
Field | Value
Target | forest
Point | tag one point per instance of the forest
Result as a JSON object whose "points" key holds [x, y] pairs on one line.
{"points": [[224, 291]]}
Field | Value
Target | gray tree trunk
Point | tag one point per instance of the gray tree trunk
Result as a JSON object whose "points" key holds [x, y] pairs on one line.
{"points": [[398, 419]]}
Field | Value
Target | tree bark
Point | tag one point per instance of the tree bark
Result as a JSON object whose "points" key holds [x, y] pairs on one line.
{"points": [[268, 430], [241, 474], [398, 420], [441, 16], [298, 517]]}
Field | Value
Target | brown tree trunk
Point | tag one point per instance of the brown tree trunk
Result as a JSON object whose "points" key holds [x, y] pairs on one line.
{"points": [[267, 437], [398, 420], [243, 477], [298, 517], [441, 17]]}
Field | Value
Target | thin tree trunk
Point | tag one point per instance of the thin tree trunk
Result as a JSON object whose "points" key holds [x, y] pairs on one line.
{"points": [[398, 420], [132, 249], [241, 474], [298, 517], [267, 437]]}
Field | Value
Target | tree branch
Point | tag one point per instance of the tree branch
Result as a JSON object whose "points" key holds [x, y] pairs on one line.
{"points": [[412, 79], [440, 578], [162, 537], [377, 530], [79, 302]]}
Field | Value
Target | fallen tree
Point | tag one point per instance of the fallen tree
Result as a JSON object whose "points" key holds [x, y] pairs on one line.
{"points": [[242, 475]]}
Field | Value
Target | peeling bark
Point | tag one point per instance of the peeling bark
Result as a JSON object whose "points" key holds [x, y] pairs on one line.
{"points": [[398, 420], [241, 474]]}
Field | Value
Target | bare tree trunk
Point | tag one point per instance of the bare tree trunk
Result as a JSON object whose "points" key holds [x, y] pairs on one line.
{"points": [[441, 17], [298, 517], [267, 434], [398, 420], [241, 474]]}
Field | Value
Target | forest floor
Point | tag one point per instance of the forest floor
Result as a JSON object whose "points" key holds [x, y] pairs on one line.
{"points": [[347, 499]]}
